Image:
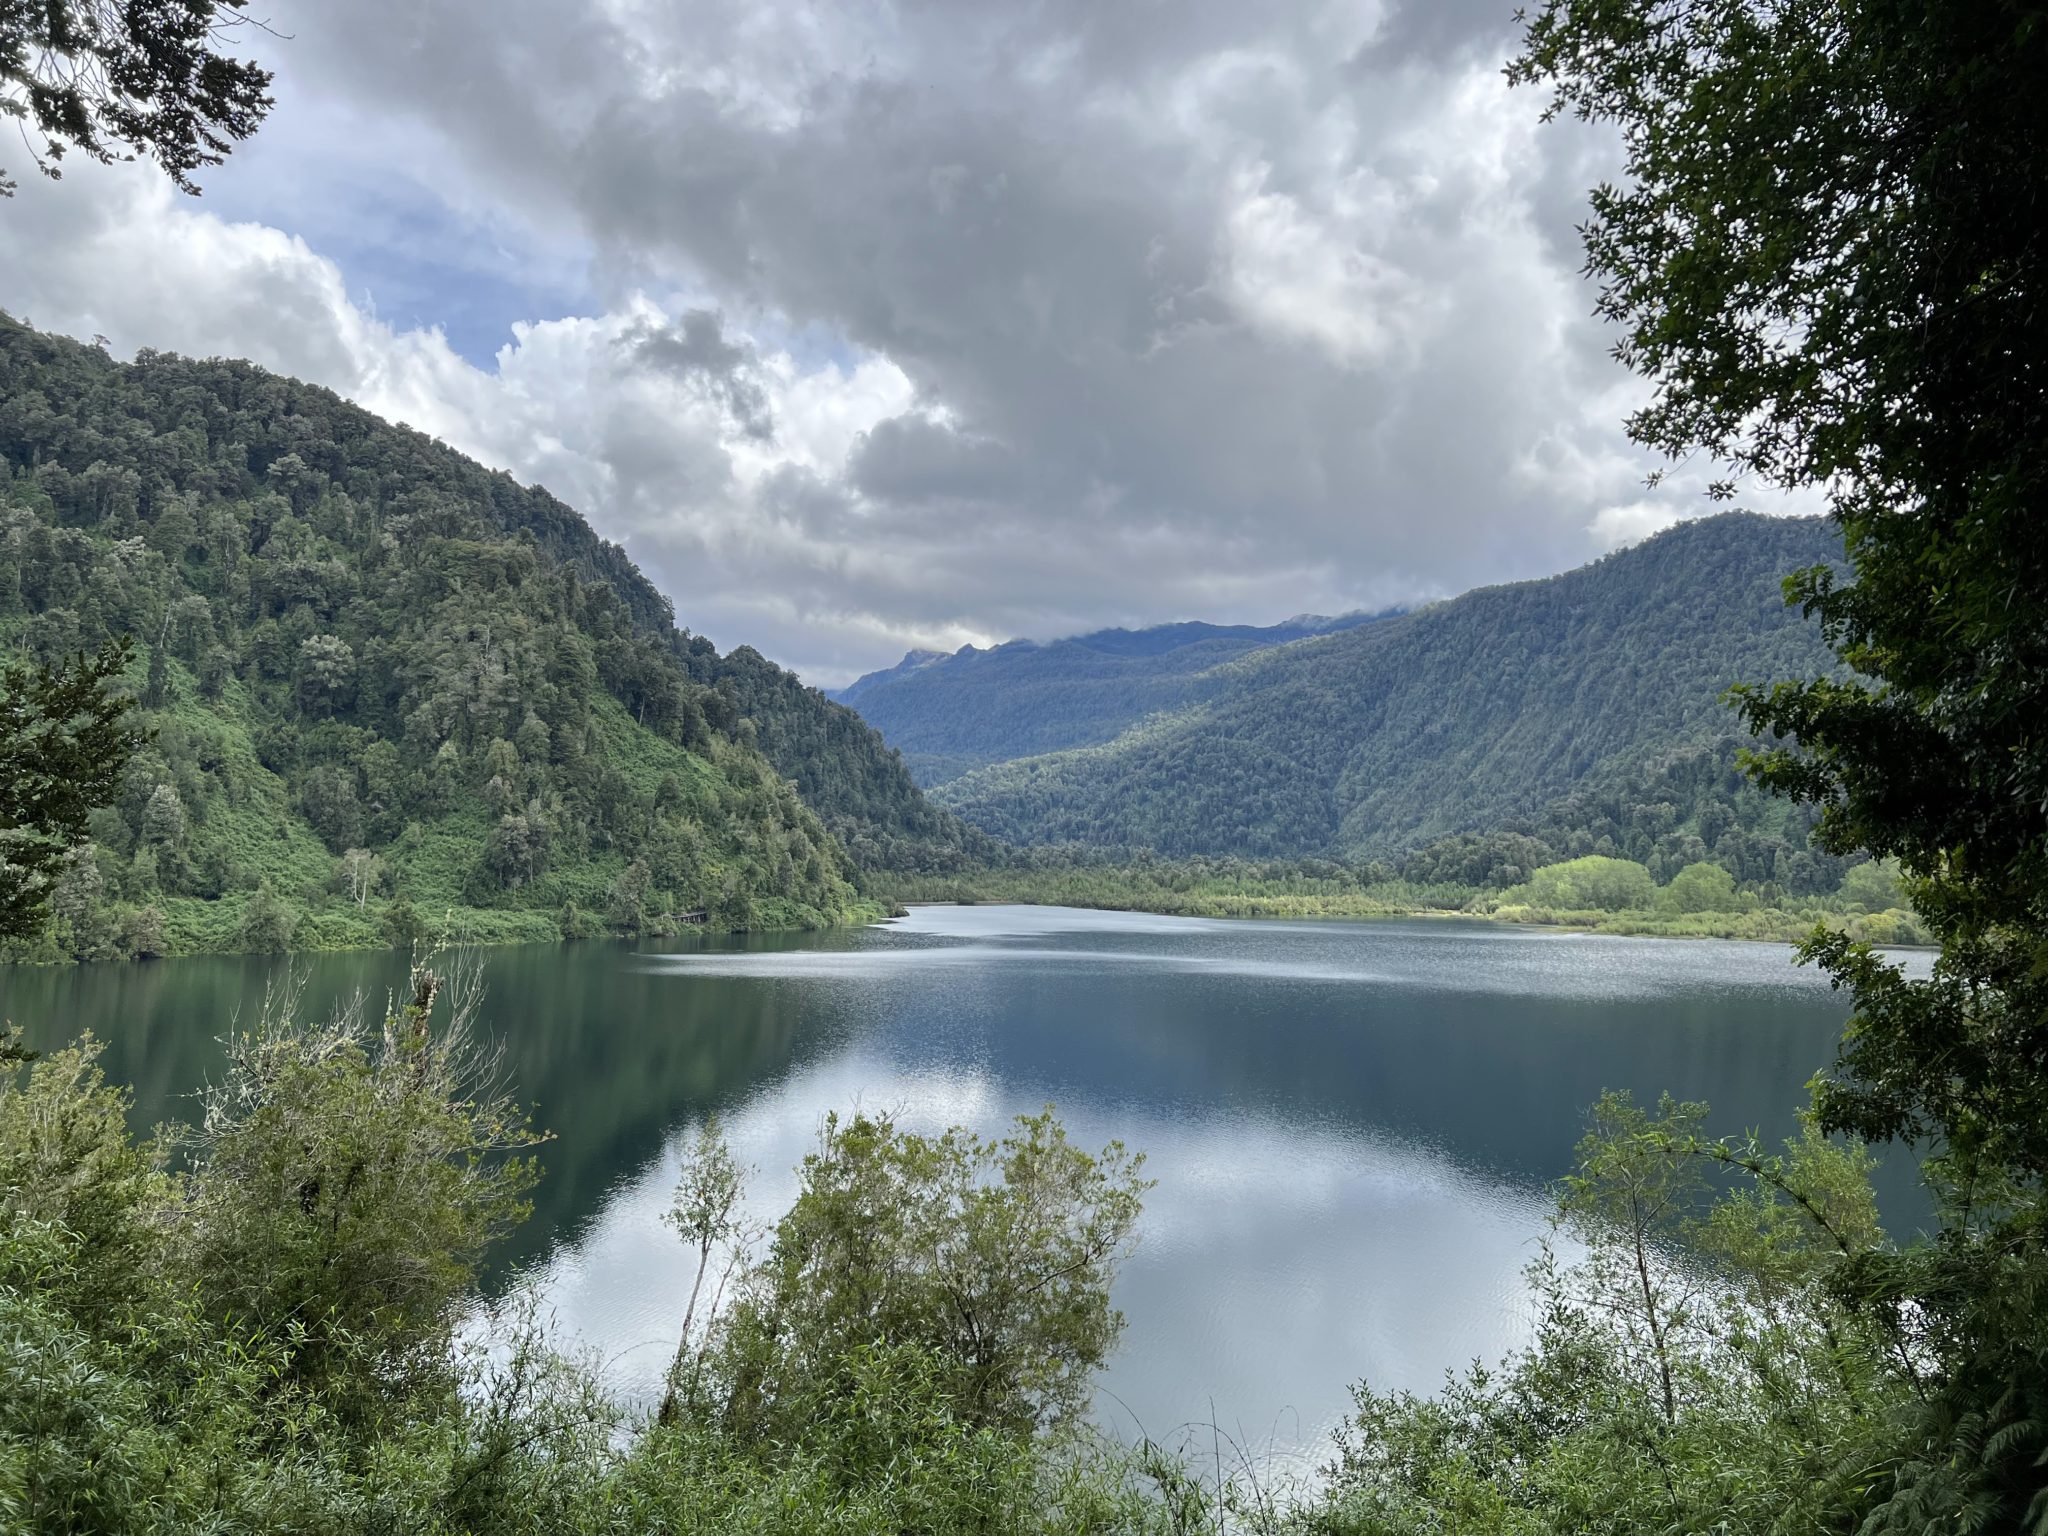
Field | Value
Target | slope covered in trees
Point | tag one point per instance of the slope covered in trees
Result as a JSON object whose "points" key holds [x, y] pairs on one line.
{"points": [[379, 681], [1473, 715], [1688, 806], [951, 714]]}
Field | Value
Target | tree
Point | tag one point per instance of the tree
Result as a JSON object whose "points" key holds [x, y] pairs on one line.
{"points": [[163, 818], [1695, 1365], [85, 924], [625, 903], [63, 748], [156, 687], [517, 849], [326, 674], [1626, 1201], [1873, 885], [66, 1159], [329, 800], [359, 872], [142, 933], [1826, 259], [1699, 887], [993, 1258], [268, 923], [1595, 881], [706, 1215], [403, 927], [113, 81], [351, 1178], [216, 666]]}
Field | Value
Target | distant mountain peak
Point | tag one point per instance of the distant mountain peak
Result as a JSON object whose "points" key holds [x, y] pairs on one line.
{"points": [[982, 703]]}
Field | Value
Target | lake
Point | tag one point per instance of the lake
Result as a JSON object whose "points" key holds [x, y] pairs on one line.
{"points": [[1353, 1125]]}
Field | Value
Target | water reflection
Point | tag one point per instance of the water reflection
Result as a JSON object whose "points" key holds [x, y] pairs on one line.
{"points": [[1278, 1261], [1353, 1125]]}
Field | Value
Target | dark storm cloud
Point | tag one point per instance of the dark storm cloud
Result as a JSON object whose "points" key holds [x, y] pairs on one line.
{"points": [[695, 347]]}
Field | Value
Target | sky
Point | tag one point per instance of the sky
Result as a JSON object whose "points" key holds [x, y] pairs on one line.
{"points": [[866, 327]]}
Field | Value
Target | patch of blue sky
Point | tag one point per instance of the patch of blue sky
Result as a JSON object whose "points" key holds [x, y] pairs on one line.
{"points": [[418, 263], [814, 346], [414, 244]]}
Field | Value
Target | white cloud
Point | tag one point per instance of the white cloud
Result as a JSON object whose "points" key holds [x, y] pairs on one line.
{"points": [[1634, 521], [1304, 279], [1026, 320]]}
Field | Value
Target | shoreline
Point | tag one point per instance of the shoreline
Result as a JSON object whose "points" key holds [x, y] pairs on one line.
{"points": [[502, 929], [462, 928], [1759, 926]]}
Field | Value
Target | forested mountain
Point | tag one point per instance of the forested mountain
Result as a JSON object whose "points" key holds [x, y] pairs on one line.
{"points": [[1482, 713], [841, 766], [1691, 805], [373, 673], [951, 714]]}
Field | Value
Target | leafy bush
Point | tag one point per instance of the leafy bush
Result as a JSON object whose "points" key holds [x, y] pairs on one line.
{"points": [[990, 1260], [1699, 888], [1592, 883]]}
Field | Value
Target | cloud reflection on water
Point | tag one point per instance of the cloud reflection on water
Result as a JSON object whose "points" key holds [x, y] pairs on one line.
{"points": [[1276, 1263]]}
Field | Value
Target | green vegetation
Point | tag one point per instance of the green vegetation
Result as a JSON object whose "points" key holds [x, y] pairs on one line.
{"points": [[384, 692], [1712, 855], [951, 714], [1185, 888], [266, 1338], [1824, 258], [1594, 893], [1827, 260], [1464, 717], [992, 1261], [110, 82], [1729, 1385], [62, 749], [858, 786], [1611, 885], [281, 1333]]}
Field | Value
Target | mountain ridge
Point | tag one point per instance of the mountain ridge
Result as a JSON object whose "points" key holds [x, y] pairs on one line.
{"points": [[1120, 640], [950, 713], [1458, 717]]}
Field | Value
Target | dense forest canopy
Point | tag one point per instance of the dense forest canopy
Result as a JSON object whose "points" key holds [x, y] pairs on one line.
{"points": [[378, 681]]}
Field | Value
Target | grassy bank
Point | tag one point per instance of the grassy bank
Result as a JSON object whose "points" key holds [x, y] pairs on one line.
{"points": [[1768, 924], [1177, 892]]}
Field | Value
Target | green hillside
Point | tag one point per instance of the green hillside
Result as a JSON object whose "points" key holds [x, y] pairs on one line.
{"points": [[1469, 716], [951, 714], [383, 684], [860, 787]]}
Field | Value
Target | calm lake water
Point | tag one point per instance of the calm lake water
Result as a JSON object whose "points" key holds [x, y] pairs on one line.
{"points": [[1353, 1125]]}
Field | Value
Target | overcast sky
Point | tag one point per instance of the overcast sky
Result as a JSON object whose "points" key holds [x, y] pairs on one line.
{"points": [[866, 327]]}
